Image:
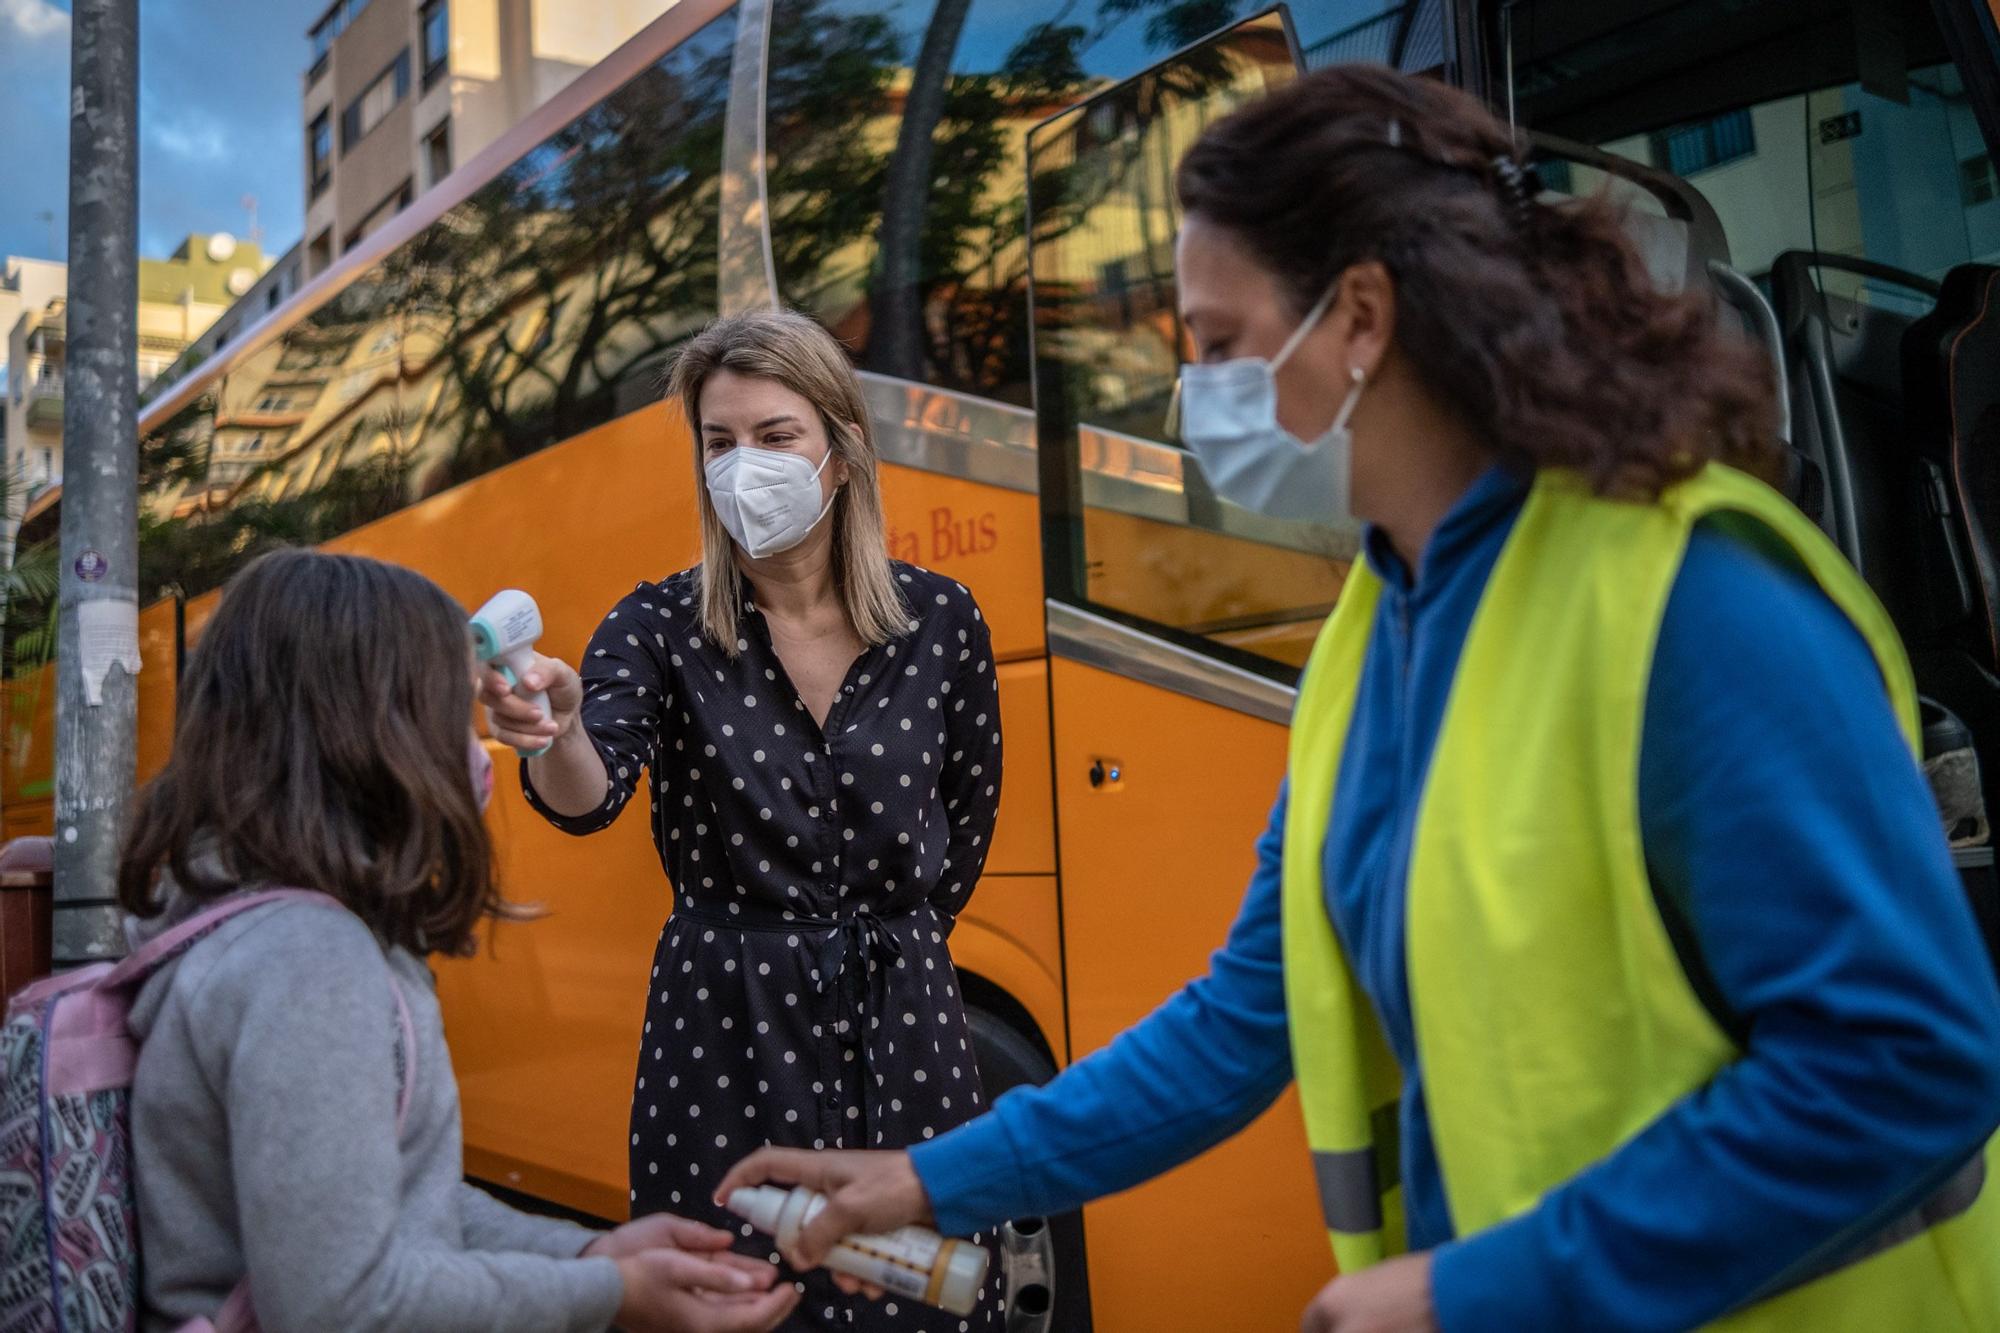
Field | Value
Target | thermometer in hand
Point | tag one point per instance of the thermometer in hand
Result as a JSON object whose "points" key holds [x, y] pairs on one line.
{"points": [[504, 632]]}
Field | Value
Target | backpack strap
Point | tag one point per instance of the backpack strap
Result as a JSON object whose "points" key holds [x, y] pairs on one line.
{"points": [[143, 961]]}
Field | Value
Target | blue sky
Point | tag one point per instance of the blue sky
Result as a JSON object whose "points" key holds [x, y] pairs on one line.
{"points": [[218, 119]]}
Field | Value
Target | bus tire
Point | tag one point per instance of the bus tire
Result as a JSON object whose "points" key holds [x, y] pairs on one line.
{"points": [[1048, 1288]]}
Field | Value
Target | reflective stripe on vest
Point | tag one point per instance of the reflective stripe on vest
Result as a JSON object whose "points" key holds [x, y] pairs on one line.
{"points": [[1554, 1025]]}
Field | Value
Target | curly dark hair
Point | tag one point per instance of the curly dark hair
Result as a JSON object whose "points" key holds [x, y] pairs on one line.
{"points": [[1537, 321], [320, 742]]}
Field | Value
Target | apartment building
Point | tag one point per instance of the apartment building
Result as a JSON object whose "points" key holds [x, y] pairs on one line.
{"points": [[401, 91], [179, 298]]}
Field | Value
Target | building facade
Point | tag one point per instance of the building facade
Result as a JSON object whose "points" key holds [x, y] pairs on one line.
{"points": [[399, 92], [179, 298], [25, 285]]}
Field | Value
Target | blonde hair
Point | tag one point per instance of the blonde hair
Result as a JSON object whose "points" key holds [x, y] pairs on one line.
{"points": [[790, 349]]}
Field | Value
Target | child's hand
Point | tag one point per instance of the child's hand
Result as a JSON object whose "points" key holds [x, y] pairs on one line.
{"points": [[672, 1291], [661, 1231], [515, 721]]}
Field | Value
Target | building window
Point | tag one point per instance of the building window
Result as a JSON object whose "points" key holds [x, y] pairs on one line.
{"points": [[377, 100], [323, 34], [320, 253], [435, 24], [437, 152], [1976, 181], [319, 153], [334, 22], [1705, 144]]}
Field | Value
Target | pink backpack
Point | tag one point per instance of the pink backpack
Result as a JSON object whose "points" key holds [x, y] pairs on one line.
{"points": [[68, 1217]]}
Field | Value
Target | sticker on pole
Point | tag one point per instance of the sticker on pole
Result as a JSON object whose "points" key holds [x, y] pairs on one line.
{"points": [[92, 566], [107, 632]]}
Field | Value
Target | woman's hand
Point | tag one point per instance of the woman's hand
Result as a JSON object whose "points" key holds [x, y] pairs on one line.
{"points": [[673, 1291], [519, 723], [1392, 1297], [866, 1192]]}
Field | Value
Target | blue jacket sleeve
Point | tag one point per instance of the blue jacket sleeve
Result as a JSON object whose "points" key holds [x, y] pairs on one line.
{"points": [[1787, 823], [1192, 1073]]}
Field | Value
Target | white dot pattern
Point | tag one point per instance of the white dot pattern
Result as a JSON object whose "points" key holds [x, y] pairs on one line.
{"points": [[767, 1023]]}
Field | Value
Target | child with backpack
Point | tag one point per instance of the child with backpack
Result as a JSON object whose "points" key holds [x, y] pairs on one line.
{"points": [[294, 1139]]}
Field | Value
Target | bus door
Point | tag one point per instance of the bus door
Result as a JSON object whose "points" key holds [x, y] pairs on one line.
{"points": [[1845, 149], [1176, 624]]}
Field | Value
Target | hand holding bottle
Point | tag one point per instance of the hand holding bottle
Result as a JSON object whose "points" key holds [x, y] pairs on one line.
{"points": [[866, 1192]]}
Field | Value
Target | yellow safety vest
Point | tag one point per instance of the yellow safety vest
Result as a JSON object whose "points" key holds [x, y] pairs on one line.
{"points": [[1553, 1019]]}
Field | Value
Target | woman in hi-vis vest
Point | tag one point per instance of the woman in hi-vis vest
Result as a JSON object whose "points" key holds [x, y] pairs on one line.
{"points": [[1604, 886]]}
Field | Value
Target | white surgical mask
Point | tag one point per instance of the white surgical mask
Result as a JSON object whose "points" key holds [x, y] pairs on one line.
{"points": [[767, 498], [1229, 419]]}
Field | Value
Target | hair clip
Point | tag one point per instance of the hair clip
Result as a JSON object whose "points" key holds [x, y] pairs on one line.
{"points": [[1519, 187], [1395, 135]]}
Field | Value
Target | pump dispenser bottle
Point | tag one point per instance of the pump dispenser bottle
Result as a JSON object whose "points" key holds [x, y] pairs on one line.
{"points": [[915, 1262]]}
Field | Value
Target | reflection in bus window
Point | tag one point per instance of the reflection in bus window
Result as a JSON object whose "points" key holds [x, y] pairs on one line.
{"points": [[1156, 542], [895, 137], [545, 304]]}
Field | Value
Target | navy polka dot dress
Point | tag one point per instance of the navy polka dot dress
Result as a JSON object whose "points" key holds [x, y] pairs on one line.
{"points": [[802, 992]]}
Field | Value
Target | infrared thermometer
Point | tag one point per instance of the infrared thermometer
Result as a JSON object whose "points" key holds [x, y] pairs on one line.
{"points": [[504, 632]]}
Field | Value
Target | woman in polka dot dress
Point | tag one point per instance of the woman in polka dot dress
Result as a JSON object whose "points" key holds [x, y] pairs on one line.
{"points": [[819, 732]]}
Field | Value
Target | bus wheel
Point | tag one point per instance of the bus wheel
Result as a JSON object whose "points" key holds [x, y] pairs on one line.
{"points": [[1043, 1258]]}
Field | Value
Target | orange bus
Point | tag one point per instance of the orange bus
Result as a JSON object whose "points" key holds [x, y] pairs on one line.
{"points": [[974, 194]]}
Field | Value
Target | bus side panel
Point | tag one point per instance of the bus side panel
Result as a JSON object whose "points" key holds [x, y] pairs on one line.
{"points": [[27, 792], [1010, 937], [986, 537], [159, 655], [27, 803], [545, 1022], [1011, 931], [1154, 867]]}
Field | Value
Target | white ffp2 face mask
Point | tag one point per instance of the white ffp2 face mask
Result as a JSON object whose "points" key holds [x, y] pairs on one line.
{"points": [[1229, 420], [767, 498]]}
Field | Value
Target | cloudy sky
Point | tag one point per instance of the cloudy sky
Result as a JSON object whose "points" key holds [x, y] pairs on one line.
{"points": [[218, 119]]}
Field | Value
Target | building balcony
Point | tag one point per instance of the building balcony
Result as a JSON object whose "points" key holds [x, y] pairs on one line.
{"points": [[45, 404]]}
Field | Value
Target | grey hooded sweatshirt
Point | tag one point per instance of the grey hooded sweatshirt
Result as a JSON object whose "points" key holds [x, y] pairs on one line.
{"points": [[265, 1142]]}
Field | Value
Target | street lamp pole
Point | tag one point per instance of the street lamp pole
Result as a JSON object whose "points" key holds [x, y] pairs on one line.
{"points": [[97, 644]]}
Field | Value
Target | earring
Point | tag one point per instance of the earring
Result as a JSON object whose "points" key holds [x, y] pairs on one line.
{"points": [[1359, 378]]}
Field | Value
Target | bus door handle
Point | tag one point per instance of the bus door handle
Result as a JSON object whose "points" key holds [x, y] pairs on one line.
{"points": [[1106, 773]]}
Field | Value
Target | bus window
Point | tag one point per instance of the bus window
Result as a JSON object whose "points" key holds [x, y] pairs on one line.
{"points": [[1838, 129], [1839, 146], [543, 305], [215, 490], [1146, 536], [549, 301], [895, 131]]}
